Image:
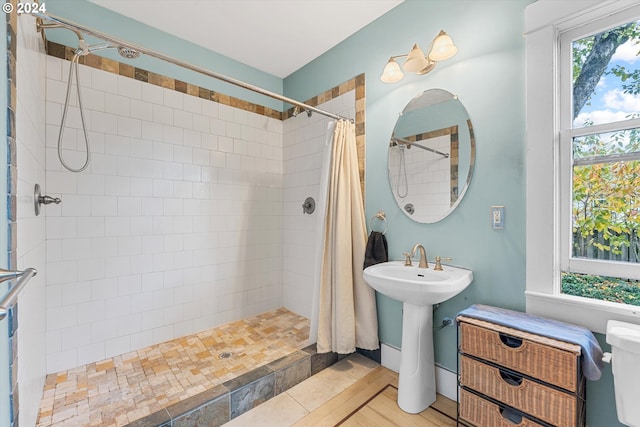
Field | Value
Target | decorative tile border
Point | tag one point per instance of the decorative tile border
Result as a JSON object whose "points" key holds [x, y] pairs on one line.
{"points": [[357, 83], [12, 42], [126, 70]]}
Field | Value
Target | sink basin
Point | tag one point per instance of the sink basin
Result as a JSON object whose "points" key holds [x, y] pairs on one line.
{"points": [[418, 289], [418, 286]]}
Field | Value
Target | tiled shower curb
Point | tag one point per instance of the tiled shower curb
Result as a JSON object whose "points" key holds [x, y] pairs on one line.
{"points": [[226, 401]]}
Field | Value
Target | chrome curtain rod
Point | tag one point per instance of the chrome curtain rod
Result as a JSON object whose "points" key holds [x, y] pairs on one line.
{"points": [[415, 144], [80, 29]]}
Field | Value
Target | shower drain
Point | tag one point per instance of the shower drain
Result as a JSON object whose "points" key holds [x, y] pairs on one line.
{"points": [[225, 355]]}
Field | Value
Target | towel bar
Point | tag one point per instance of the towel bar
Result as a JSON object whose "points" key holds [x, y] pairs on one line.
{"points": [[9, 299], [380, 215]]}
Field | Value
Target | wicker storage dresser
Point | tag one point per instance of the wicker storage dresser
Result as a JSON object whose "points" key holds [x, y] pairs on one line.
{"points": [[512, 378]]}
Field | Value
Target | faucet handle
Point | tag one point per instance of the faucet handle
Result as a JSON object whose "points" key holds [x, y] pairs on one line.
{"points": [[407, 259], [438, 266]]}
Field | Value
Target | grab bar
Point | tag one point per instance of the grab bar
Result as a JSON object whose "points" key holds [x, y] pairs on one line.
{"points": [[23, 278]]}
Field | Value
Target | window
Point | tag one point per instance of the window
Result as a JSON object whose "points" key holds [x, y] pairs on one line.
{"points": [[582, 171], [600, 178]]}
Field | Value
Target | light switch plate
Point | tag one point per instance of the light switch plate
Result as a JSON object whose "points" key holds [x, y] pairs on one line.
{"points": [[497, 217]]}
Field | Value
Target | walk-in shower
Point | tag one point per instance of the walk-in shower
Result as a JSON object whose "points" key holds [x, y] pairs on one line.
{"points": [[188, 215]]}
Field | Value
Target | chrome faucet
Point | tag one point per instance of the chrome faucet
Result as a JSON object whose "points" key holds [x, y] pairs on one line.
{"points": [[423, 255]]}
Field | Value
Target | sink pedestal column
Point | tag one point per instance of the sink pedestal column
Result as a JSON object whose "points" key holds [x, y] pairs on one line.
{"points": [[417, 380]]}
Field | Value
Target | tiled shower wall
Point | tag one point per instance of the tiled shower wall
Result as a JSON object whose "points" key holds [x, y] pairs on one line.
{"points": [[304, 144], [429, 201], [29, 234], [175, 227], [178, 225]]}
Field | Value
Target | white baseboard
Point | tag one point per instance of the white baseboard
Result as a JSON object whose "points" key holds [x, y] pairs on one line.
{"points": [[446, 381], [390, 357]]}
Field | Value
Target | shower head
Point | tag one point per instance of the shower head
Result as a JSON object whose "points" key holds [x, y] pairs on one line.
{"points": [[128, 53]]}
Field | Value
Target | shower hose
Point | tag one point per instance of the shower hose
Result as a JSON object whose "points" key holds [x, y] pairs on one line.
{"points": [[74, 67]]}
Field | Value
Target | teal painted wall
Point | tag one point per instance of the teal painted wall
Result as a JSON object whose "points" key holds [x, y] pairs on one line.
{"points": [[129, 30], [488, 76]]}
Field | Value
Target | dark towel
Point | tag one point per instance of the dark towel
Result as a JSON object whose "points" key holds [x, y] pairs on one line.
{"points": [[377, 250]]}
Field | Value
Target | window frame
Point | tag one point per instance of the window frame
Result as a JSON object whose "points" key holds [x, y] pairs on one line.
{"points": [[549, 157]]}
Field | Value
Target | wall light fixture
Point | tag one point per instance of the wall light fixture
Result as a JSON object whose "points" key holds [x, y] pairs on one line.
{"points": [[441, 48]]}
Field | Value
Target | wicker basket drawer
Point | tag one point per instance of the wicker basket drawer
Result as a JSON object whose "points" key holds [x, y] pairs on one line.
{"points": [[543, 402], [482, 413], [548, 360]]}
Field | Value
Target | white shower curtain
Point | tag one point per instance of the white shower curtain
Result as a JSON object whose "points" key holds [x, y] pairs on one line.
{"points": [[346, 304]]}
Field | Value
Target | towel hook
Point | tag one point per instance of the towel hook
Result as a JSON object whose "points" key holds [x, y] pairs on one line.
{"points": [[380, 216]]}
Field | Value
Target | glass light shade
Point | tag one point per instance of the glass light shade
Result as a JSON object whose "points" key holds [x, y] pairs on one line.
{"points": [[416, 60], [442, 47], [392, 72]]}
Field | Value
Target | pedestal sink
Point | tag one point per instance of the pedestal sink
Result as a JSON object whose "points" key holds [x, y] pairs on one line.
{"points": [[418, 289]]}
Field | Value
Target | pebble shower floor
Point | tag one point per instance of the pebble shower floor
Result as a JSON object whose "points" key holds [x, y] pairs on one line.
{"points": [[122, 389]]}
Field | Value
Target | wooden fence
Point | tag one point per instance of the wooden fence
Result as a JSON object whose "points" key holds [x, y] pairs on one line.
{"points": [[585, 247]]}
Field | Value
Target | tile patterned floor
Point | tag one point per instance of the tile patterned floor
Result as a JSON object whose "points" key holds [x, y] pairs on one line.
{"points": [[117, 391]]}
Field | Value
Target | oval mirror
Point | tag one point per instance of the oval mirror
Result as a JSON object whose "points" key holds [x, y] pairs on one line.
{"points": [[431, 156]]}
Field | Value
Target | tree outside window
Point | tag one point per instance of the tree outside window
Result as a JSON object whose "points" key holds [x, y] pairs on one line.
{"points": [[606, 162]]}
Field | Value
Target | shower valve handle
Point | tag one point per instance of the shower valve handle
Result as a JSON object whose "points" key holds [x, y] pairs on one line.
{"points": [[39, 199], [309, 206], [47, 200]]}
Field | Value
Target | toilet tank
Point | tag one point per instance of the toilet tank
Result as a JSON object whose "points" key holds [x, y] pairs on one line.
{"points": [[624, 339]]}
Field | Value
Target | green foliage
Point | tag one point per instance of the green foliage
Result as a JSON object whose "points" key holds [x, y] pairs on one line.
{"points": [[606, 202], [591, 57], [606, 196], [583, 47], [630, 78], [601, 288]]}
